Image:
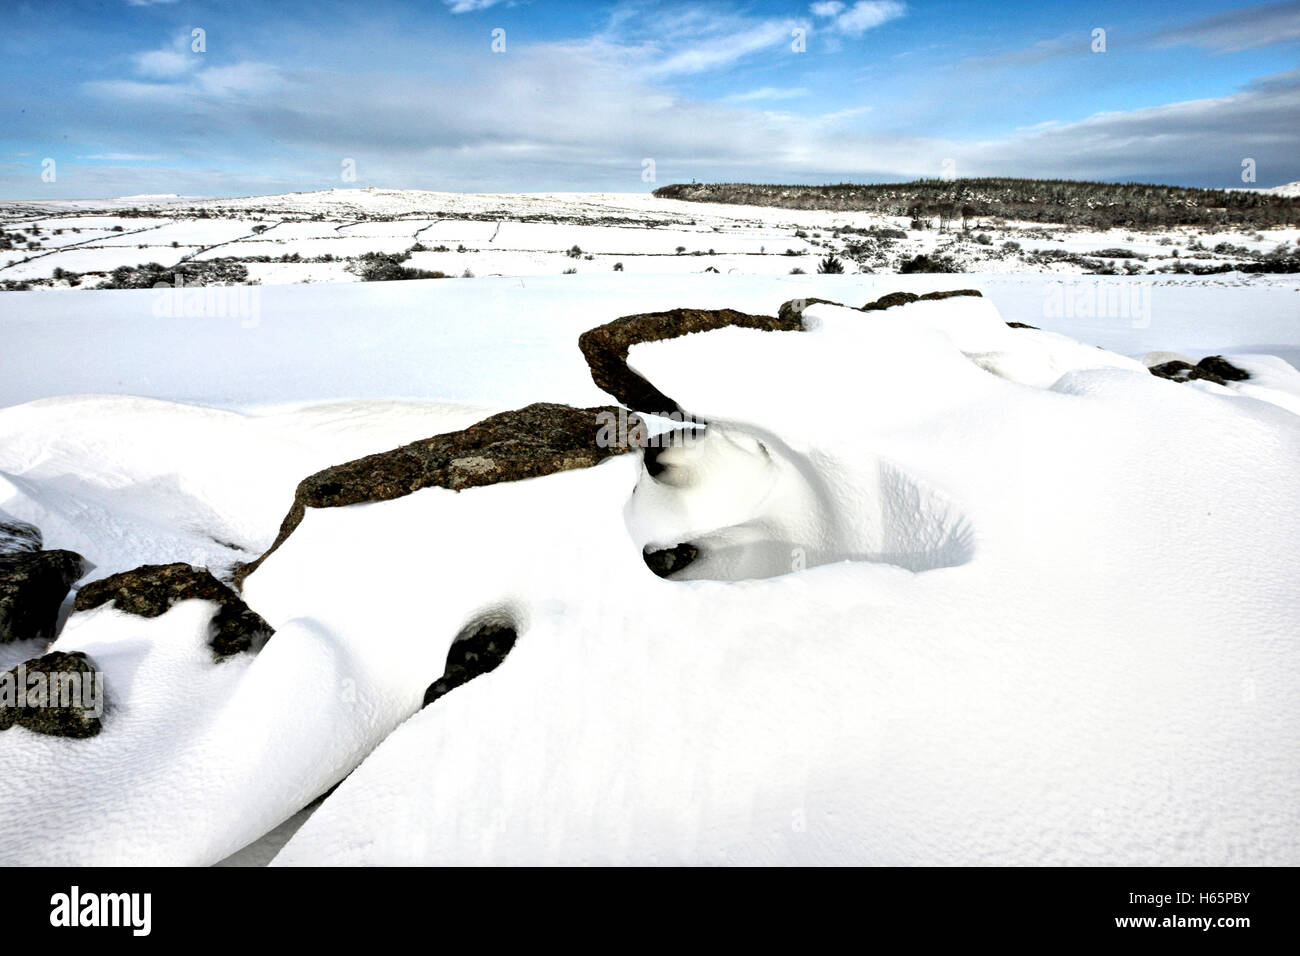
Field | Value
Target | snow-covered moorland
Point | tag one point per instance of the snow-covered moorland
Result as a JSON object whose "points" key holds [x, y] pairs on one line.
{"points": [[929, 587], [325, 237]]}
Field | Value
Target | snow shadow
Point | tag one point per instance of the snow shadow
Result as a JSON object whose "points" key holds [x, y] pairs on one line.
{"points": [[734, 505]]}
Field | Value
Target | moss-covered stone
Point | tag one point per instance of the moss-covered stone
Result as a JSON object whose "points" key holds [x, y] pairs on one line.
{"points": [[59, 694], [606, 348], [793, 309], [903, 298], [33, 585], [529, 442], [153, 589]]}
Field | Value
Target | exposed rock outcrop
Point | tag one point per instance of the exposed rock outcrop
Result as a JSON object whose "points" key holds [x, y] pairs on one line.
{"points": [[793, 309], [152, 590], [16, 536], [606, 348], [1179, 371], [529, 442], [59, 694], [33, 585], [1220, 366], [477, 653], [902, 298], [667, 561], [1212, 368]]}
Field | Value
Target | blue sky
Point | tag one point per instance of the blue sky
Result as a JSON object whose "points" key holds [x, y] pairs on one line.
{"points": [[414, 94]]}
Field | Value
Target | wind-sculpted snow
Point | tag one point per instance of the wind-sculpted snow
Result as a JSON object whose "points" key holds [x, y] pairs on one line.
{"points": [[540, 439], [751, 507], [952, 592], [1102, 671]]}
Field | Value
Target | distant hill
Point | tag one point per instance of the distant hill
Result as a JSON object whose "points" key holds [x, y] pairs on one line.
{"points": [[1098, 205], [1290, 189]]}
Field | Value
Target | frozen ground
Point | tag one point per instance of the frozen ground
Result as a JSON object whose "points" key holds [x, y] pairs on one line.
{"points": [[315, 237], [969, 595]]}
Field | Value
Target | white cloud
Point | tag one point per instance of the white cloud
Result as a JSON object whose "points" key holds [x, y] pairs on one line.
{"points": [[469, 6], [122, 158], [164, 63], [583, 115], [828, 8], [868, 14], [172, 60], [713, 52], [768, 93]]}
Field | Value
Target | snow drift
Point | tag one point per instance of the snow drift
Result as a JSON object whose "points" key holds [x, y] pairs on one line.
{"points": [[961, 593]]}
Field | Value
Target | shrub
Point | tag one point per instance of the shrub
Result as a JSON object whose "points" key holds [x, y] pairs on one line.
{"points": [[575, 252], [924, 263], [376, 267], [569, 272], [618, 267], [149, 274], [830, 266], [796, 271]]}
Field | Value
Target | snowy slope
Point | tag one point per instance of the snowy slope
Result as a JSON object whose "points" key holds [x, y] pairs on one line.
{"points": [[1103, 673], [968, 594], [506, 342]]}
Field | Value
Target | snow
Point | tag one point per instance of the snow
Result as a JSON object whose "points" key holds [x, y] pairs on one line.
{"points": [[1062, 692], [966, 593], [526, 234], [130, 481], [506, 342]]}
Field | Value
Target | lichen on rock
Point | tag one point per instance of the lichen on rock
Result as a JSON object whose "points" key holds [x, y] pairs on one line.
{"points": [[152, 590]]}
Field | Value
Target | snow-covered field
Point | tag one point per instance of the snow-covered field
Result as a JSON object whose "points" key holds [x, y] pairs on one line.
{"points": [[530, 234], [968, 595]]}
